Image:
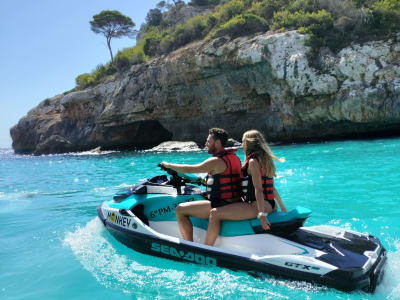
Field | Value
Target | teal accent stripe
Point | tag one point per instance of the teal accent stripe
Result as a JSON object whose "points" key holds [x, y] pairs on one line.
{"points": [[304, 249]]}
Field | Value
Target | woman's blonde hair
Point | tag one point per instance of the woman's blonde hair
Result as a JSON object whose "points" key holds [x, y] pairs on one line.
{"points": [[255, 142]]}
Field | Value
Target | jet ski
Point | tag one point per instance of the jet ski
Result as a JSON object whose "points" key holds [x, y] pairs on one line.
{"points": [[143, 218]]}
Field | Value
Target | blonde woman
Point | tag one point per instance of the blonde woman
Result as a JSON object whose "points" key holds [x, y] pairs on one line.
{"points": [[259, 194], [259, 170]]}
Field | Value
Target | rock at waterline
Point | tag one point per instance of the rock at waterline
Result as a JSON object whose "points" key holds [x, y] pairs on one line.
{"points": [[96, 150], [54, 144], [233, 143], [176, 146]]}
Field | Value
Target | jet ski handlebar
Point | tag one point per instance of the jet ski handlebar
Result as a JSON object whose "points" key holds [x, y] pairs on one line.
{"points": [[168, 170], [190, 178]]}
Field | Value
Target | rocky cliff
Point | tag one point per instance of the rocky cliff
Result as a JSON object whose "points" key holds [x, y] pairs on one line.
{"points": [[264, 82]]}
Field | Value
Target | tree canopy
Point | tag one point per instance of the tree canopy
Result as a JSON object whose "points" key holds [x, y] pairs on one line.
{"points": [[204, 2], [112, 24], [154, 17]]}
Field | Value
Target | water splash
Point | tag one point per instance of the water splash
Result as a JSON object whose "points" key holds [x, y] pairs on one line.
{"points": [[390, 285], [91, 152], [117, 267], [16, 200], [6, 151]]}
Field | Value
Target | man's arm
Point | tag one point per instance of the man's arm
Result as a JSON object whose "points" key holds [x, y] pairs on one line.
{"points": [[213, 165]]}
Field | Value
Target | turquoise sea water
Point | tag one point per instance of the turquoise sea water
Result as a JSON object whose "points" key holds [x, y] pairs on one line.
{"points": [[52, 246]]}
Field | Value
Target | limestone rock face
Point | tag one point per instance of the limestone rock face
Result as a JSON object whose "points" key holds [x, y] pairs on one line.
{"points": [[262, 82]]}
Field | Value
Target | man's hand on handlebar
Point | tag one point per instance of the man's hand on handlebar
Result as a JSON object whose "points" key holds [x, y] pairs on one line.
{"points": [[165, 167]]}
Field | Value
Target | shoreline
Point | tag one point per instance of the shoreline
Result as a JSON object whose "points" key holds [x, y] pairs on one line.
{"points": [[105, 151]]}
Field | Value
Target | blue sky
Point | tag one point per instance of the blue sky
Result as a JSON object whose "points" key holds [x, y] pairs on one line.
{"points": [[45, 44]]}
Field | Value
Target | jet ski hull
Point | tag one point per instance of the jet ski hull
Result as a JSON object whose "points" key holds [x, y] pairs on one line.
{"points": [[133, 231]]}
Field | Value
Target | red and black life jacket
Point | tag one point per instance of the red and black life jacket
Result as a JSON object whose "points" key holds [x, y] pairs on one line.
{"points": [[226, 185], [248, 187]]}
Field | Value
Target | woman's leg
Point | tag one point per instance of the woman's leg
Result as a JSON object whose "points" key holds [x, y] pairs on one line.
{"points": [[198, 209], [235, 212]]}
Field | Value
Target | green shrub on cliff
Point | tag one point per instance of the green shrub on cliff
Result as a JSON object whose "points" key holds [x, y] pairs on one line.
{"points": [[183, 34], [328, 23], [84, 80], [176, 39], [267, 8], [122, 61], [304, 5], [318, 25], [385, 16], [47, 101], [151, 41], [339, 22], [101, 72], [241, 25], [229, 10], [204, 2], [316, 22], [130, 56]]}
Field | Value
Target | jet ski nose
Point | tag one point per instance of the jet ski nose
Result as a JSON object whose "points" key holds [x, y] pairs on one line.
{"points": [[371, 254]]}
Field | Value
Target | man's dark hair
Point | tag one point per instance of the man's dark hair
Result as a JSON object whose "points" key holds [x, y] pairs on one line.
{"points": [[219, 134]]}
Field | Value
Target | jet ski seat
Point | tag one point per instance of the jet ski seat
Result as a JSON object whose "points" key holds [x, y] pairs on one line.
{"points": [[281, 223], [161, 207]]}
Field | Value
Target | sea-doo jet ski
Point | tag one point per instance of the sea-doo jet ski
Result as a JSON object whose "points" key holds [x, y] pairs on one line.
{"points": [[143, 218]]}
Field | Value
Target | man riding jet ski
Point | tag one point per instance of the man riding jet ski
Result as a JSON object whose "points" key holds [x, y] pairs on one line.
{"points": [[143, 218], [230, 196]]}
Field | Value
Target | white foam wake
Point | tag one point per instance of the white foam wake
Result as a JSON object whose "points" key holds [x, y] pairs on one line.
{"points": [[145, 276], [111, 268], [97, 255], [390, 285]]}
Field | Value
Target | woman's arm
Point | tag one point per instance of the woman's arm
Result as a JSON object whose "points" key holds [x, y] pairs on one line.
{"points": [[255, 171], [279, 200]]}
